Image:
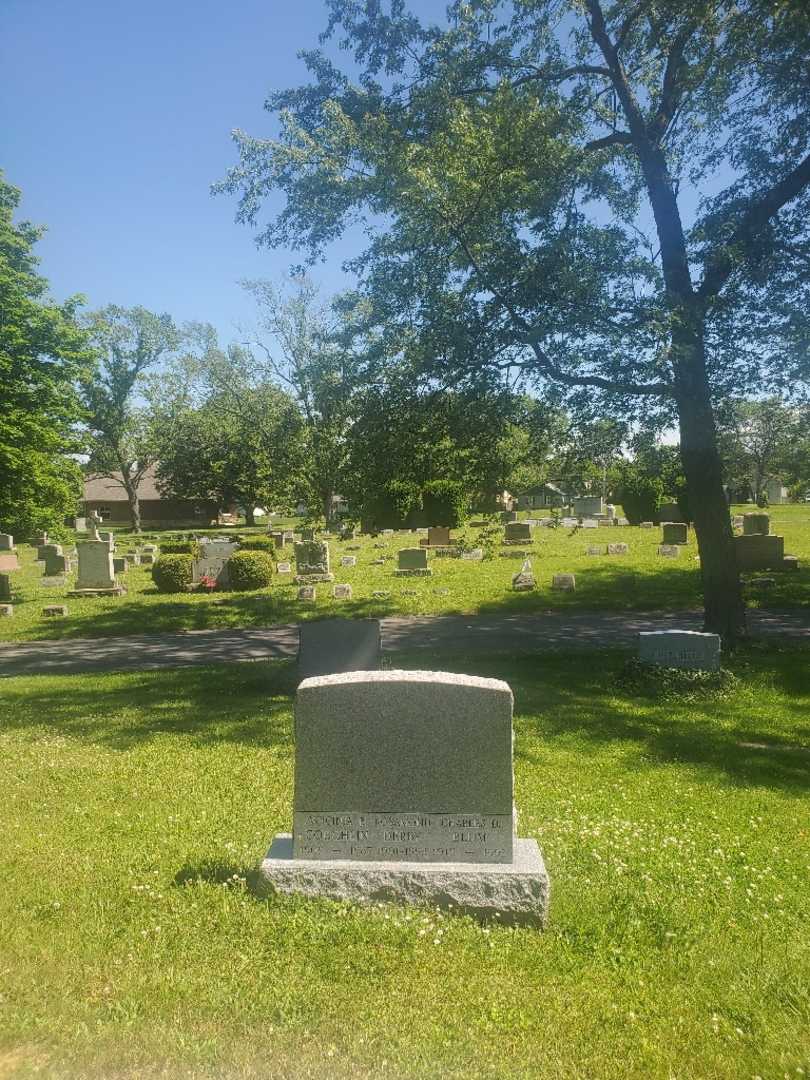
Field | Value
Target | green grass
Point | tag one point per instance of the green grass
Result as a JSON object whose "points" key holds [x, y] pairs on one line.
{"points": [[641, 580], [135, 807]]}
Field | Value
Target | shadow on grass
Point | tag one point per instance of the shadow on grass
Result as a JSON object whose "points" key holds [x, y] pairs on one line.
{"points": [[248, 704], [759, 734]]}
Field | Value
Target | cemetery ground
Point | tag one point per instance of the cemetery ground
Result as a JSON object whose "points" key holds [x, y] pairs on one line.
{"points": [[641, 580], [674, 824]]}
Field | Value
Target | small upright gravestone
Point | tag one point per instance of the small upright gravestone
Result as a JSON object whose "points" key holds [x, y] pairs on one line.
{"points": [[211, 562], [756, 524], [96, 571], [669, 551], [312, 562], [307, 593], [597, 549], [674, 532], [404, 792], [5, 587], [438, 536], [6, 542], [6, 610], [523, 581], [284, 568], [564, 582], [330, 646], [617, 549], [348, 560], [517, 532], [680, 649], [412, 562], [341, 592]]}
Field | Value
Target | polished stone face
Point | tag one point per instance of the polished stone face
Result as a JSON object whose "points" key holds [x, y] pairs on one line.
{"points": [[674, 532], [403, 765]]}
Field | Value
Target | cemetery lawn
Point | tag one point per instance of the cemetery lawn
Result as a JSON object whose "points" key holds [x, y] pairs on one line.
{"points": [[640, 580], [676, 832]]}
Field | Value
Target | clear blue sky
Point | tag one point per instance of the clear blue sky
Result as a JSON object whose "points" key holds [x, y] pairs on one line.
{"points": [[116, 118]]}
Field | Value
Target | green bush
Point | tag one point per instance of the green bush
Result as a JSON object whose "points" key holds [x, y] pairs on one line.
{"points": [[445, 502], [258, 543], [639, 495], [250, 570], [172, 573], [181, 547]]}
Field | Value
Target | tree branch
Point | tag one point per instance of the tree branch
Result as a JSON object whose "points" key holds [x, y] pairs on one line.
{"points": [[546, 365], [617, 138], [721, 261], [670, 90]]}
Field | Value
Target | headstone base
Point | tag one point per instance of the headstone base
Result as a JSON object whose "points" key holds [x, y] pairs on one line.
{"points": [[420, 572], [513, 893], [312, 579], [116, 590], [517, 543]]}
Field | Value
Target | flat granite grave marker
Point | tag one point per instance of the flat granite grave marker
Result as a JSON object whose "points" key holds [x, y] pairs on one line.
{"points": [[412, 562], [284, 568], [332, 646], [689, 649], [404, 792], [669, 551], [341, 592], [597, 549], [54, 610], [348, 560], [590, 523], [306, 593], [6, 610], [617, 549]]}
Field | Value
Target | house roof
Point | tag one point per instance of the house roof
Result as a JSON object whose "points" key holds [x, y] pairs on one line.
{"points": [[538, 489], [110, 488]]}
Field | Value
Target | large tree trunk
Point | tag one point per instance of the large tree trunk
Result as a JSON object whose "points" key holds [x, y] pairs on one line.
{"points": [[724, 609], [134, 503], [250, 518]]}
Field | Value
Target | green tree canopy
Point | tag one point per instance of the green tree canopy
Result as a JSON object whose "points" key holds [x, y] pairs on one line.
{"points": [[43, 353], [611, 198], [130, 343]]}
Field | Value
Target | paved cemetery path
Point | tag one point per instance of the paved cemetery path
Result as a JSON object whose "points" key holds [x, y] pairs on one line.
{"points": [[460, 633]]}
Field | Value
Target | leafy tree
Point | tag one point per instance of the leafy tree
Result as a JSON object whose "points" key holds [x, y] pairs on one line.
{"points": [[250, 453], [611, 198], [129, 342], [406, 445], [42, 354], [310, 351], [757, 439]]}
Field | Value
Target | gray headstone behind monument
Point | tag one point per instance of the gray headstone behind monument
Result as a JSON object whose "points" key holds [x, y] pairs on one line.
{"points": [[332, 646]]}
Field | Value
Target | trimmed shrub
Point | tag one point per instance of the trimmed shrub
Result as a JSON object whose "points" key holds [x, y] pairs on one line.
{"points": [[172, 573], [181, 547], [258, 543], [639, 496], [250, 570]]}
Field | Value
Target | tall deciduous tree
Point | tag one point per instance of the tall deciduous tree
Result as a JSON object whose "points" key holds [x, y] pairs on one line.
{"points": [[757, 439], [43, 352], [611, 197], [130, 343], [310, 351], [220, 436]]}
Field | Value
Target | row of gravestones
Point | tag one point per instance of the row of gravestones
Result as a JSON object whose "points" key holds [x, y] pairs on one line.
{"points": [[404, 780]]}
